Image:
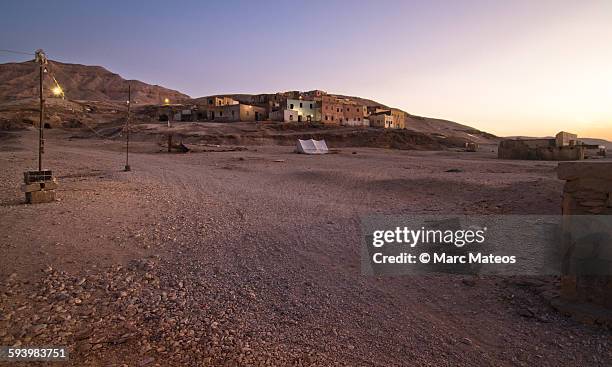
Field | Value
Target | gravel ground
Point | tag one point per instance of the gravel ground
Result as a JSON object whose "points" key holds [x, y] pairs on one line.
{"points": [[252, 258]]}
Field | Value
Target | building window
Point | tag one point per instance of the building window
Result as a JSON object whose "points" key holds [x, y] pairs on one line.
{"points": [[300, 104], [326, 117], [291, 106], [291, 117], [311, 106], [220, 113]]}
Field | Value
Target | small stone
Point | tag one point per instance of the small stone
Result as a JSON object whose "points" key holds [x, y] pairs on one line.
{"points": [[146, 361]]}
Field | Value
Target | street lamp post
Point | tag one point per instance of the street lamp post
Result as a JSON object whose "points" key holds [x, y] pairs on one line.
{"points": [[41, 58], [167, 103], [127, 134]]}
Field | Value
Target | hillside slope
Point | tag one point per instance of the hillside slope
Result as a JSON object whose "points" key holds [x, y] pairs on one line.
{"points": [[80, 82]]}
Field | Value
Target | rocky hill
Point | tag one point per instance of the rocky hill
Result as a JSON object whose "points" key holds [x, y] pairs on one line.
{"points": [[79, 82]]}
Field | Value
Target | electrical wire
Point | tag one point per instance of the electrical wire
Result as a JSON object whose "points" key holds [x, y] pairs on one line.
{"points": [[17, 52], [50, 72]]}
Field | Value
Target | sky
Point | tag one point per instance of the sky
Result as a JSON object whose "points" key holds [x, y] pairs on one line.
{"points": [[517, 67]]}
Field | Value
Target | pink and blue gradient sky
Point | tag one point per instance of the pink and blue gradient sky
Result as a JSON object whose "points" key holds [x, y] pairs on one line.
{"points": [[508, 67]]}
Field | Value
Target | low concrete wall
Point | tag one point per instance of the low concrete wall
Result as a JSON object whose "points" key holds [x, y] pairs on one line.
{"points": [[588, 191]]}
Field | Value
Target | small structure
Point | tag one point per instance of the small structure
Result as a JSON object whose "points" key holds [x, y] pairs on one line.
{"points": [[471, 147], [564, 147], [39, 186], [594, 151], [564, 139], [381, 119], [311, 146], [388, 118], [230, 113]]}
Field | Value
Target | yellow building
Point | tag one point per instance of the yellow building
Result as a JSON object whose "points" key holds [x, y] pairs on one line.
{"points": [[381, 119], [220, 101], [388, 119]]}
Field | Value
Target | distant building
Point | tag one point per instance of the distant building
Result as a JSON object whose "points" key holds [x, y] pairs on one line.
{"points": [[220, 101], [381, 119], [388, 119], [230, 113], [399, 118], [341, 112], [565, 139], [563, 147], [306, 110]]}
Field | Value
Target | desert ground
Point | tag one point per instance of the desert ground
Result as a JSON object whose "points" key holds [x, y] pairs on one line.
{"points": [[252, 257]]}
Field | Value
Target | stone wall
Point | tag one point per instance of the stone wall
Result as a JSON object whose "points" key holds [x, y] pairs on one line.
{"points": [[539, 149], [588, 191]]}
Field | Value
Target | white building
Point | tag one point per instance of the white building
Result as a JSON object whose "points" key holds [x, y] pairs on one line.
{"points": [[305, 110]]}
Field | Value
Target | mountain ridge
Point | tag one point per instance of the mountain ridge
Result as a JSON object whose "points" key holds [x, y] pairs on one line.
{"points": [[79, 82]]}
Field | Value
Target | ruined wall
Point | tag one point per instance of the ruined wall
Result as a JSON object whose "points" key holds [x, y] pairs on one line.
{"points": [[538, 149], [588, 191]]}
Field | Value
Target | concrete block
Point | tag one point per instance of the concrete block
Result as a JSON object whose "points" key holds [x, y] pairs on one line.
{"points": [[588, 184], [576, 170], [50, 185], [593, 204], [38, 197], [30, 187], [590, 196]]}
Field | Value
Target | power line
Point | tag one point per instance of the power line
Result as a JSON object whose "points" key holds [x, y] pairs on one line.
{"points": [[17, 52]]}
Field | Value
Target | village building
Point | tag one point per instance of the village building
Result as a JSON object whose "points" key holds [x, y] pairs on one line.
{"points": [[388, 118], [339, 111], [399, 118], [223, 109], [381, 119], [564, 147], [231, 113], [220, 101]]}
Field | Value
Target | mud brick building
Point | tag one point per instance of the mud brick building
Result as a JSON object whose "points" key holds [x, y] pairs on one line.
{"points": [[341, 111]]}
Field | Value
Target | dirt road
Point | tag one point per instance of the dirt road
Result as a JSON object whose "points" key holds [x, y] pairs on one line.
{"points": [[252, 258]]}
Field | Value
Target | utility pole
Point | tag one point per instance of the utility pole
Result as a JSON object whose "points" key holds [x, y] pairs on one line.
{"points": [[167, 103], [127, 135], [41, 58]]}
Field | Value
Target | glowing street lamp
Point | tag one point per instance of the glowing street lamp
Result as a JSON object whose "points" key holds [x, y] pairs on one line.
{"points": [[166, 101], [57, 91]]}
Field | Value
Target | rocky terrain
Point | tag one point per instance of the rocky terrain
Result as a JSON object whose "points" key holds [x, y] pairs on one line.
{"points": [[252, 257], [79, 82]]}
